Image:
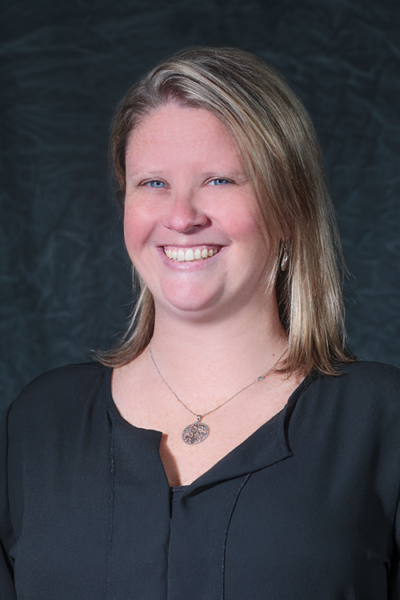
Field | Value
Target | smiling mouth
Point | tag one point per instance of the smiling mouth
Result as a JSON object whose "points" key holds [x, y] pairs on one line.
{"points": [[189, 254]]}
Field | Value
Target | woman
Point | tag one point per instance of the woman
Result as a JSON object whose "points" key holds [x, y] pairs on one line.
{"points": [[232, 391]]}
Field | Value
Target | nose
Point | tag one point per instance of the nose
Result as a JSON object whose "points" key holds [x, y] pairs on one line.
{"points": [[185, 215]]}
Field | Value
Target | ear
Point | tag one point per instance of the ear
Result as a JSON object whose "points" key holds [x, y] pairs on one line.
{"points": [[285, 242], [283, 230]]}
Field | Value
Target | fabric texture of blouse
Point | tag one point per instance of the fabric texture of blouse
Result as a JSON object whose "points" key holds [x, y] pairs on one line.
{"points": [[305, 509]]}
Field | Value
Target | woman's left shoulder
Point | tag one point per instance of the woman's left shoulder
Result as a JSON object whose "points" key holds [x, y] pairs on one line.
{"points": [[362, 402], [371, 373], [364, 384]]}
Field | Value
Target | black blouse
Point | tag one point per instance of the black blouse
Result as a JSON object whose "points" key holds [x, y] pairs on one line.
{"points": [[305, 509], [176, 493]]}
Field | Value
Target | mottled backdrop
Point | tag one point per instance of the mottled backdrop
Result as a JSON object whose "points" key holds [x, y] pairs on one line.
{"points": [[65, 279]]}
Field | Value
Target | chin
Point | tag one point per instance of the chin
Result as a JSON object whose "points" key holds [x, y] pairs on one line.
{"points": [[189, 303], [192, 306]]}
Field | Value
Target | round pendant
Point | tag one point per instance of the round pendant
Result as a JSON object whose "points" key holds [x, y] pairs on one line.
{"points": [[195, 433]]}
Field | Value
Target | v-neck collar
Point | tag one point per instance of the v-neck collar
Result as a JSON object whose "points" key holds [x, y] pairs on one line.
{"points": [[266, 446]]}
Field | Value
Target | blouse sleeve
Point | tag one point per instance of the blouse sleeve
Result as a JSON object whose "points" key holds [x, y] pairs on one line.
{"points": [[7, 538]]}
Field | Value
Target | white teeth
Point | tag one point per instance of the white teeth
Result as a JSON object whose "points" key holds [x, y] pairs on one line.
{"points": [[190, 254]]}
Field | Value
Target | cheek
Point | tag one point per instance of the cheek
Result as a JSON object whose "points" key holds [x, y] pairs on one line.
{"points": [[246, 227], [137, 226], [130, 230]]}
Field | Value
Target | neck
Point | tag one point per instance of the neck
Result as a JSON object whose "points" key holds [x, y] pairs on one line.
{"points": [[225, 354]]}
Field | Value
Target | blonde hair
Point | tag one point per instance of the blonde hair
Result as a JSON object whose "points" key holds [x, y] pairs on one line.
{"points": [[278, 146]]}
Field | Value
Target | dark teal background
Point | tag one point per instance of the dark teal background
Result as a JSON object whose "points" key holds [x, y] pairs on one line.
{"points": [[64, 65]]}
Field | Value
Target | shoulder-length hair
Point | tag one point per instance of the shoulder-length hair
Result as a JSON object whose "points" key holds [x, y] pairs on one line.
{"points": [[280, 153]]}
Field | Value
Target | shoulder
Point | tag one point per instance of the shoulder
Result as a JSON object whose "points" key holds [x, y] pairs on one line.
{"points": [[63, 382], [368, 378], [363, 392], [59, 394], [73, 376]]}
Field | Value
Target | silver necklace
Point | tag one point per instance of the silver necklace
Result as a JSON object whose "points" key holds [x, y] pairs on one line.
{"points": [[198, 432]]}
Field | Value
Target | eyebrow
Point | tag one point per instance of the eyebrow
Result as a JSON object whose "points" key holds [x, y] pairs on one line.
{"points": [[206, 174]]}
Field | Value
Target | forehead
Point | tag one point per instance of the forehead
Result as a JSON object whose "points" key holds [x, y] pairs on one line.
{"points": [[173, 131]]}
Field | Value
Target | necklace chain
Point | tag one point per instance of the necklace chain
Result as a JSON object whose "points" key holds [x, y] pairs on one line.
{"points": [[199, 417]]}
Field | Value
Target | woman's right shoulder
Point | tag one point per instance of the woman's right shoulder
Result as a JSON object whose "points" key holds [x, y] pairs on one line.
{"points": [[59, 393]]}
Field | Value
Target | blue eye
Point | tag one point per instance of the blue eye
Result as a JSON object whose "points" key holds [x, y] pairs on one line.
{"points": [[219, 181], [155, 184]]}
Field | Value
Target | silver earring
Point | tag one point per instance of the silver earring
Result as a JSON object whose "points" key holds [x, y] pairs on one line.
{"points": [[285, 259]]}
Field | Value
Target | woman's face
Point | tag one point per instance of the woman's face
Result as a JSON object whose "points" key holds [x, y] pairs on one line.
{"points": [[192, 226]]}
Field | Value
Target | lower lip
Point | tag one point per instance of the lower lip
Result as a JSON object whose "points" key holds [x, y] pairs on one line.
{"points": [[191, 265]]}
